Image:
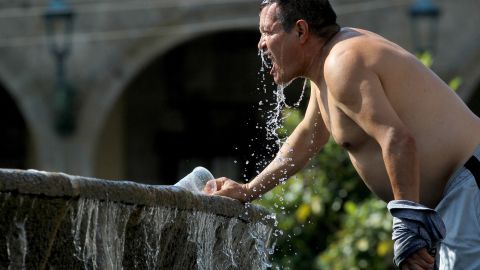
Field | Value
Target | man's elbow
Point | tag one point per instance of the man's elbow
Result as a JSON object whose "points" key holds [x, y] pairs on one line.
{"points": [[399, 140], [313, 137], [319, 139]]}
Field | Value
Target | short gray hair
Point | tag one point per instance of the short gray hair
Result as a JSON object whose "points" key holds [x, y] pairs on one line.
{"points": [[319, 15]]}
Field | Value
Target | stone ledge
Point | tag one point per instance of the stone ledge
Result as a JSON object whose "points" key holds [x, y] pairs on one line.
{"points": [[50, 184], [58, 221]]}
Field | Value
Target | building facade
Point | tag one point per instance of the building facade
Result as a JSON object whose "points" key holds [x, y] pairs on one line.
{"points": [[162, 86]]}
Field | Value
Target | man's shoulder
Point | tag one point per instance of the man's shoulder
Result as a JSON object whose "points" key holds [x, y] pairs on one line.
{"points": [[341, 69], [343, 54], [342, 62], [354, 45]]}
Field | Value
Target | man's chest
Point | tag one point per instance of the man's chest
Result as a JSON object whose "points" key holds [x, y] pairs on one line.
{"points": [[342, 128]]}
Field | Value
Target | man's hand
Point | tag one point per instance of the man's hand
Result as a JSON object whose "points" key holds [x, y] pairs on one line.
{"points": [[228, 188], [420, 260]]}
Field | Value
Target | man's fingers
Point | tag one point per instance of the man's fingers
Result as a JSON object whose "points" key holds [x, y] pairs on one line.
{"points": [[423, 259], [220, 182], [415, 267], [210, 187], [221, 186], [423, 253], [214, 185], [419, 260]]}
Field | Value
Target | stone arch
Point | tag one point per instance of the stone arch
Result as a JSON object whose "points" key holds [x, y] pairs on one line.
{"points": [[14, 139], [12, 87], [134, 63], [209, 38], [98, 104]]}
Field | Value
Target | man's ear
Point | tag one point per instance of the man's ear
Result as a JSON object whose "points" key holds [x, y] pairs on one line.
{"points": [[302, 31]]}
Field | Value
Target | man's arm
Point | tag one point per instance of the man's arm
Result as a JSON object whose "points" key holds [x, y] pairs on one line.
{"points": [[357, 91], [305, 141]]}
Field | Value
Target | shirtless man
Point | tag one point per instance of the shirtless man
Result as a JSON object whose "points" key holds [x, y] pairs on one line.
{"points": [[407, 133]]}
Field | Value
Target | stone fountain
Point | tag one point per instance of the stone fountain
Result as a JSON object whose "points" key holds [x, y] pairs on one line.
{"points": [[59, 221]]}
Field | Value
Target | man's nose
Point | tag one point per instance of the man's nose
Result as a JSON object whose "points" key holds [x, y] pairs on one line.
{"points": [[261, 43]]}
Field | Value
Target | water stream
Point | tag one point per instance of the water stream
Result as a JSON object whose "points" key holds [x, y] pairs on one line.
{"points": [[274, 121], [99, 232], [275, 117]]}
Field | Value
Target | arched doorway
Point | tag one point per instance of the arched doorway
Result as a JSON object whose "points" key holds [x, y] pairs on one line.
{"points": [[13, 138], [196, 105]]}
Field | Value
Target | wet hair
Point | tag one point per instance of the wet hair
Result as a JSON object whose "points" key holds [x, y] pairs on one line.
{"points": [[319, 14]]}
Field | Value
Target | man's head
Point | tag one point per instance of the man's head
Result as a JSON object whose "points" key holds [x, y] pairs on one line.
{"points": [[319, 15], [293, 32]]}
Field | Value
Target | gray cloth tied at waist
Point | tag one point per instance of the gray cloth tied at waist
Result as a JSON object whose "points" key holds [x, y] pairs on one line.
{"points": [[414, 227]]}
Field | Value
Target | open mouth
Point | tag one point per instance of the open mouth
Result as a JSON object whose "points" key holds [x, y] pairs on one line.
{"points": [[273, 66], [268, 62]]}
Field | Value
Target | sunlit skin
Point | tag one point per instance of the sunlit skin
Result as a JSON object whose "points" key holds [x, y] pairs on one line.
{"points": [[404, 129]]}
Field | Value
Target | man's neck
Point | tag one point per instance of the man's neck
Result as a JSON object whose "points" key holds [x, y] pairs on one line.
{"points": [[317, 52]]}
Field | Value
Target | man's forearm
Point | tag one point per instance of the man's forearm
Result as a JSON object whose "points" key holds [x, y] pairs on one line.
{"points": [[401, 162], [280, 169], [292, 157], [304, 142]]}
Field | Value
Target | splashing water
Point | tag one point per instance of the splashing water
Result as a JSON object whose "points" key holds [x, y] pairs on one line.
{"points": [[16, 240], [305, 82], [198, 181], [266, 63], [274, 121], [98, 230], [274, 118], [99, 233], [17, 245]]}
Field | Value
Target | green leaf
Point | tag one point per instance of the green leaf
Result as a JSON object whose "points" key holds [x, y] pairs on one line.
{"points": [[455, 83], [426, 58], [350, 207]]}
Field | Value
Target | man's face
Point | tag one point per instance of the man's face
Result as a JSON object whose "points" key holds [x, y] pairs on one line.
{"points": [[277, 45]]}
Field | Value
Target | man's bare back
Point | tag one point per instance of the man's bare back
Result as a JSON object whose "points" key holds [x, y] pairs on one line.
{"points": [[419, 98]]}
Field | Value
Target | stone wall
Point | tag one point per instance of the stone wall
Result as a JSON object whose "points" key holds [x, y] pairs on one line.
{"points": [[58, 221]]}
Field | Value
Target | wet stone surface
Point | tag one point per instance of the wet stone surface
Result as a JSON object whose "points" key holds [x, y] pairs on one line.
{"points": [[57, 221]]}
